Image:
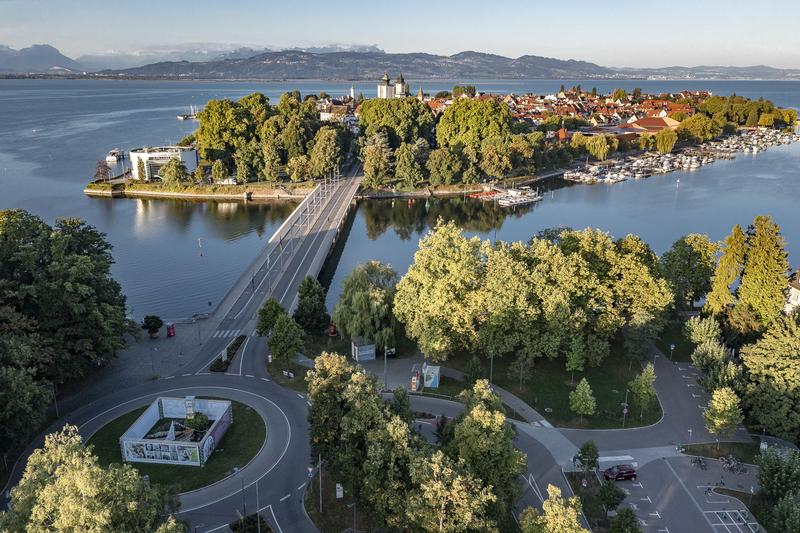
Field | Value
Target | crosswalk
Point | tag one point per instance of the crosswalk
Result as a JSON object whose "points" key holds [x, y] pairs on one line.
{"points": [[225, 333]]}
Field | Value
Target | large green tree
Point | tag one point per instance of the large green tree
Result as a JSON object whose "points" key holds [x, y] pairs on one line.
{"points": [[484, 442], [643, 388], [408, 167], [326, 384], [311, 313], [64, 488], [468, 122], [728, 270], [174, 172], [558, 515], [772, 365], [446, 499], [267, 316], [404, 119], [581, 400], [724, 413], [443, 166], [665, 140], [764, 283], [286, 339], [377, 158], [688, 267], [365, 305], [326, 154]]}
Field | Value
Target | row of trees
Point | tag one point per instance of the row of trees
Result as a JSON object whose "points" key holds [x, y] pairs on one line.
{"points": [[64, 488], [745, 112], [259, 140], [474, 139], [564, 292], [61, 315], [467, 483]]}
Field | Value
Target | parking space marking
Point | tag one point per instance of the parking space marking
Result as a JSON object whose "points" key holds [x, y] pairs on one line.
{"points": [[646, 499], [285, 497], [656, 514], [638, 485], [688, 493]]}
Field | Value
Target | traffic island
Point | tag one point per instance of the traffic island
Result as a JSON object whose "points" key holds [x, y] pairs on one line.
{"points": [[236, 448]]}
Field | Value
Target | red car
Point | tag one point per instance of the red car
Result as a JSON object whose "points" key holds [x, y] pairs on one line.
{"points": [[620, 472]]}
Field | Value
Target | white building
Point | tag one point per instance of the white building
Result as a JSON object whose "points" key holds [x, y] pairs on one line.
{"points": [[387, 89], [155, 157], [793, 298]]}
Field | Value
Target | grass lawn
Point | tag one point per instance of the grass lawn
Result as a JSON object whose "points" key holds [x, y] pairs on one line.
{"points": [[316, 344], [673, 334], [239, 445], [336, 515], [745, 451], [298, 382], [590, 502], [548, 390]]}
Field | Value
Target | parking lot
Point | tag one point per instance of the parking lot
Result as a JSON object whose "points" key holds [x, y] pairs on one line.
{"points": [[672, 496]]}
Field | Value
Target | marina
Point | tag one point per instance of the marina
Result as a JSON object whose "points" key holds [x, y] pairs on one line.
{"points": [[645, 165]]}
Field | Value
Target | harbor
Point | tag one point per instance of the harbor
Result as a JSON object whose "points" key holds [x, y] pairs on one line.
{"points": [[642, 166]]}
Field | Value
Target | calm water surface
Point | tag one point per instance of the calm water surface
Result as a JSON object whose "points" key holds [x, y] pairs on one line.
{"points": [[174, 257]]}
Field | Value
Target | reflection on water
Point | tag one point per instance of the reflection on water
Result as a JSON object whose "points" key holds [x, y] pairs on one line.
{"points": [[660, 209]]}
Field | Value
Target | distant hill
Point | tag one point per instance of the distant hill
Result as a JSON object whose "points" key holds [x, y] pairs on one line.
{"points": [[214, 61], [39, 58], [368, 64], [297, 64]]}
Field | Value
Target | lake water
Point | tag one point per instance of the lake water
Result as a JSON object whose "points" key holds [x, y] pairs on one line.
{"points": [[176, 257]]}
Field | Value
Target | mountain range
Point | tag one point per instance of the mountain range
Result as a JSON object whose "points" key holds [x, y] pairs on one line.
{"points": [[351, 63]]}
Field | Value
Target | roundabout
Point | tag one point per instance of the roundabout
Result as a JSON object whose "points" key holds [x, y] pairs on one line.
{"points": [[242, 442]]}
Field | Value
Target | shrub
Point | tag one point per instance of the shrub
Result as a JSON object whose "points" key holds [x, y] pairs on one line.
{"points": [[152, 323], [199, 421]]}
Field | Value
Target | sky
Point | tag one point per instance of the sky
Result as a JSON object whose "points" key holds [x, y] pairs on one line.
{"points": [[621, 33]]}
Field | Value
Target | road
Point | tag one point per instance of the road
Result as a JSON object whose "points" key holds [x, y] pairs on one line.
{"points": [[274, 481]]}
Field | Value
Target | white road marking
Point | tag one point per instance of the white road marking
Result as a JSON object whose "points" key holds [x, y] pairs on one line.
{"points": [[265, 379], [615, 458], [638, 485], [686, 489], [309, 403], [655, 514], [286, 497], [241, 355], [249, 376], [169, 377], [646, 499], [184, 375], [301, 486], [299, 395]]}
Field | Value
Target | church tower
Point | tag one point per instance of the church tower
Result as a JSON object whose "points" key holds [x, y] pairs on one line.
{"points": [[385, 88], [400, 87]]}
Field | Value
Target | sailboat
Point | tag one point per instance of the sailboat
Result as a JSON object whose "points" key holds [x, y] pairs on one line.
{"points": [[191, 115]]}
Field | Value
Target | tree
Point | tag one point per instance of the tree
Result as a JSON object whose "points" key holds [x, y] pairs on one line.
{"points": [[728, 270], [365, 305], [688, 267], [311, 313], [432, 299], [589, 456], [625, 522], [581, 400], [708, 355], [326, 384], [495, 158], [698, 128], [444, 499], [484, 443], [401, 404], [174, 172], [701, 329], [376, 156], [468, 122], [219, 171], [611, 495], [286, 339], [224, 125], [63, 488], [599, 146], [778, 472], [101, 171], [58, 279], [272, 159], [407, 166], [764, 277], [723, 413], [785, 514], [23, 403], [665, 140], [772, 365], [643, 388], [268, 315], [575, 358], [327, 152], [443, 167], [403, 119], [141, 172], [299, 168], [557, 516]]}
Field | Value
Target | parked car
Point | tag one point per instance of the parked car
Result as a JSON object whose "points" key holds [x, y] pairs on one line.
{"points": [[620, 472]]}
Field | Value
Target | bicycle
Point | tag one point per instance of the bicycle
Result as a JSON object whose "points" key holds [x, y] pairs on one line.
{"points": [[700, 463]]}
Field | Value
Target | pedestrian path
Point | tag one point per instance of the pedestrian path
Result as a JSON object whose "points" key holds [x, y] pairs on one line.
{"points": [[225, 333]]}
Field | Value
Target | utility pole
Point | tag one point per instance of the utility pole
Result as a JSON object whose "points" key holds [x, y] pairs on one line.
{"points": [[319, 469]]}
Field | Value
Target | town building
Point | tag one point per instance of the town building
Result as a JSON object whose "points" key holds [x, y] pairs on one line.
{"points": [[155, 157], [793, 298], [387, 89]]}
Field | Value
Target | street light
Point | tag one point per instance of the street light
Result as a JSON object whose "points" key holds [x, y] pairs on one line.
{"points": [[671, 349]]}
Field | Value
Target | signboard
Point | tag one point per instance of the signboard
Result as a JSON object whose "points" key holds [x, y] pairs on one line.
{"points": [[339, 491]]}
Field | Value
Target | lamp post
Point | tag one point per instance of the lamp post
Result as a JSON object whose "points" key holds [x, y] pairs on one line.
{"points": [[625, 408], [55, 399], [241, 478], [671, 349]]}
